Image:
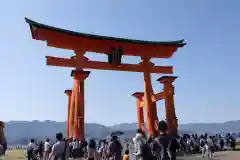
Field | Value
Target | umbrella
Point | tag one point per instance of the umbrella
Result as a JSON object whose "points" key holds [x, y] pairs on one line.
{"points": [[116, 133]]}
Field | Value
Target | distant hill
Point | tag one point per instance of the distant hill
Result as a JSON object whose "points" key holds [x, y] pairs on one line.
{"points": [[229, 126], [226, 127], [20, 131]]}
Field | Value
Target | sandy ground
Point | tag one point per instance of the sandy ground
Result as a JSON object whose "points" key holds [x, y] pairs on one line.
{"points": [[228, 155]]}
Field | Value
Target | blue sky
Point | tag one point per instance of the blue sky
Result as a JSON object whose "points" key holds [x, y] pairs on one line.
{"points": [[208, 86]]}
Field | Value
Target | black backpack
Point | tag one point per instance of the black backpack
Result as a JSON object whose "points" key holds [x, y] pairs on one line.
{"points": [[146, 151], [174, 145], [165, 143], [114, 148], [221, 141], [202, 143]]}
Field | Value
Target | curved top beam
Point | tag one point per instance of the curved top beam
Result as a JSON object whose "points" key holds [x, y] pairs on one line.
{"points": [[61, 38]]}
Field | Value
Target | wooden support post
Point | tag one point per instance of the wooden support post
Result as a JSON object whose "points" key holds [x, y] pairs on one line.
{"points": [[169, 103], [140, 113], [79, 77], [69, 128]]}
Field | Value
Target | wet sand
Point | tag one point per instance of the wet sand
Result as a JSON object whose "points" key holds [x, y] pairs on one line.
{"points": [[224, 155]]}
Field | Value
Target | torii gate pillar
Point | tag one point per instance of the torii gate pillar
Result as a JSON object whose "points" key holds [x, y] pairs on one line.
{"points": [[171, 118], [140, 113], [69, 126], [79, 77], [150, 106]]}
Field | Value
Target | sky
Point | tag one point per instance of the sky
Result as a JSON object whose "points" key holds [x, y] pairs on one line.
{"points": [[207, 88]]}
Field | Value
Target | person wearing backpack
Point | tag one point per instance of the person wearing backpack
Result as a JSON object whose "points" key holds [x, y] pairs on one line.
{"points": [[142, 148], [174, 146], [221, 142], [232, 143], [164, 142], [155, 152], [114, 149]]}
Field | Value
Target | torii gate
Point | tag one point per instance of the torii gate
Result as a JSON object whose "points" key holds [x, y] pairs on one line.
{"points": [[114, 48], [168, 95]]}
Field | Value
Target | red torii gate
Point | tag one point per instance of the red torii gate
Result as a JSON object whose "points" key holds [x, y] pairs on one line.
{"points": [[168, 95], [115, 48]]}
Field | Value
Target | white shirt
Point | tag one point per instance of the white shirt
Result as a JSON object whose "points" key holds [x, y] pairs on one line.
{"points": [[31, 146], [58, 148], [209, 142], [100, 150], [188, 142], [75, 144], [47, 146]]}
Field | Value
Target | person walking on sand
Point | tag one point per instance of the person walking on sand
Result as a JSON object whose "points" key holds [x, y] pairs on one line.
{"points": [[59, 148], [47, 149], [30, 149]]}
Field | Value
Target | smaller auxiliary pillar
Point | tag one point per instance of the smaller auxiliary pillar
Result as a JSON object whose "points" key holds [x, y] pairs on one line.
{"points": [[169, 103], [69, 126], [140, 112]]}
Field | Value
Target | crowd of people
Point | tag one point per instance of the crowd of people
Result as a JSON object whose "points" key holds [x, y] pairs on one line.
{"points": [[72, 148], [161, 147], [206, 145]]}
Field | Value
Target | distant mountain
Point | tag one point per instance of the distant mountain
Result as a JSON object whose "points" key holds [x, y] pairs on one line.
{"points": [[20, 131], [226, 127], [124, 126]]}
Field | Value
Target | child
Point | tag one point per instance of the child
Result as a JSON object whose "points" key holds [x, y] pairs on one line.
{"points": [[126, 155]]}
